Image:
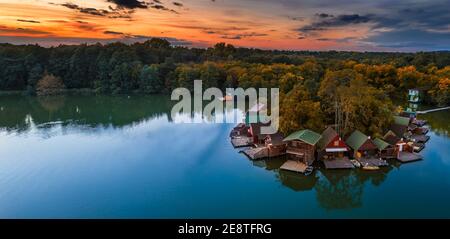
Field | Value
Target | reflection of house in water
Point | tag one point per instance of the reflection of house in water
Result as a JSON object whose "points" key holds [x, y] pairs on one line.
{"points": [[297, 182], [339, 190], [269, 164]]}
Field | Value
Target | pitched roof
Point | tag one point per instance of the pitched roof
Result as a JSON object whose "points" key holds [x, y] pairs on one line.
{"points": [[391, 138], [356, 139], [381, 144], [306, 135], [404, 121], [399, 130], [327, 136]]}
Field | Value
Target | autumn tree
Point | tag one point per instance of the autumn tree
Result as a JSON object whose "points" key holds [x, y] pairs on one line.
{"points": [[49, 85]]}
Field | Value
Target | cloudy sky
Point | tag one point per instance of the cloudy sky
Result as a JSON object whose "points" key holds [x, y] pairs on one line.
{"points": [[362, 25]]}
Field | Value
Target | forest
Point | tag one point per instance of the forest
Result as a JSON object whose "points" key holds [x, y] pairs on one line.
{"points": [[363, 85]]}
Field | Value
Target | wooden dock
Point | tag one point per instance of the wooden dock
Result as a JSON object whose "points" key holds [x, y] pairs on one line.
{"points": [[296, 166], [432, 110], [420, 138], [256, 153], [417, 147], [406, 157], [372, 161], [338, 163], [241, 141]]}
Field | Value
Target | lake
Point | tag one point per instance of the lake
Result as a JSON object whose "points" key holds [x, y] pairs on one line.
{"points": [[124, 157]]}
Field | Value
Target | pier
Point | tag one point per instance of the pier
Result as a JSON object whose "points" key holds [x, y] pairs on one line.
{"points": [[372, 161], [241, 141], [256, 153], [296, 166], [338, 163], [432, 110], [406, 157]]}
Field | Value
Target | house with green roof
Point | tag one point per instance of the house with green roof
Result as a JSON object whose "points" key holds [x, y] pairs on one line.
{"points": [[386, 150], [301, 145], [361, 144], [400, 120]]}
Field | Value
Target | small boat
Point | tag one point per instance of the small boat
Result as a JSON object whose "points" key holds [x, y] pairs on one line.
{"points": [[355, 163], [370, 168], [308, 170]]}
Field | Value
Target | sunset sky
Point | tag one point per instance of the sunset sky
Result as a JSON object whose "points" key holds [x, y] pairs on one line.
{"points": [[403, 25]]}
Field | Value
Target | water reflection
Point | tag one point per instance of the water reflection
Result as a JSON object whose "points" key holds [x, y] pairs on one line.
{"points": [[335, 189], [88, 129]]}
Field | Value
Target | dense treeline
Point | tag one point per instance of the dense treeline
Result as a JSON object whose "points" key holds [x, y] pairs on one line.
{"points": [[312, 84]]}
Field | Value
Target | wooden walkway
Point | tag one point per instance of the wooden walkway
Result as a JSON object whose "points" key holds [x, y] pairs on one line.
{"points": [[420, 138], [241, 141], [338, 163], [372, 161], [295, 166], [256, 153], [432, 110], [417, 147], [406, 157]]}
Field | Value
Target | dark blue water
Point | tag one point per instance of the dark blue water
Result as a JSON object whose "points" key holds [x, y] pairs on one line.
{"points": [[119, 157]]}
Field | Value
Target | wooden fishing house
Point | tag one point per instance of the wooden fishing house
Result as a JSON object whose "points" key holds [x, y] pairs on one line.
{"points": [[400, 126], [240, 130], [275, 144], [332, 150], [331, 145], [255, 122], [405, 152], [385, 149], [301, 145], [391, 138], [361, 145]]}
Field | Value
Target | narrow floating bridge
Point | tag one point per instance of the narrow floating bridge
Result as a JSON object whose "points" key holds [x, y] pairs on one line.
{"points": [[256, 153], [432, 110]]}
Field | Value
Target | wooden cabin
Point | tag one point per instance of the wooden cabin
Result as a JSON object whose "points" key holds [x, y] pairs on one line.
{"points": [[385, 149], [331, 145], [275, 144], [255, 122], [301, 145], [400, 126], [361, 145], [240, 130], [403, 146], [391, 138], [255, 132]]}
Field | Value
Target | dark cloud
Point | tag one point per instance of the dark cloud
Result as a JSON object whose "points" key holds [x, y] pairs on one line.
{"points": [[29, 21], [130, 4], [20, 30], [178, 4], [111, 13], [243, 35], [327, 22], [324, 15], [113, 33]]}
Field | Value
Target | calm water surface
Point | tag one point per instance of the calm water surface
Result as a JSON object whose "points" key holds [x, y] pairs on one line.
{"points": [[120, 157]]}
